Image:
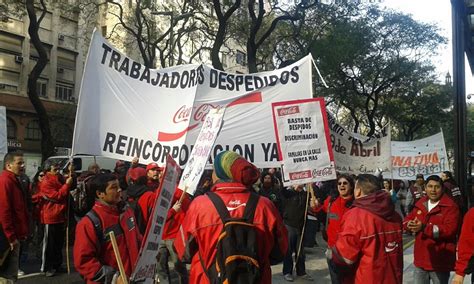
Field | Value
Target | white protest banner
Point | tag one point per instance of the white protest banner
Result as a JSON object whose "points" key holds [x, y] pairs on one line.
{"points": [[425, 156], [202, 148], [3, 132], [302, 132], [126, 109], [357, 154], [144, 271]]}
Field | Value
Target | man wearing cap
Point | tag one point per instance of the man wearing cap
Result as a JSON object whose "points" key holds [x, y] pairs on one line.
{"points": [[435, 222], [197, 239], [153, 173]]}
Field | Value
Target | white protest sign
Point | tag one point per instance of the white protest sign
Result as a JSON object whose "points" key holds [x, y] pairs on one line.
{"points": [[145, 268], [201, 150], [302, 133], [126, 109], [358, 154], [425, 156]]}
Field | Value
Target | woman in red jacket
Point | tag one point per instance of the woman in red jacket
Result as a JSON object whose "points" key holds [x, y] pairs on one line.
{"points": [[54, 194], [335, 207]]}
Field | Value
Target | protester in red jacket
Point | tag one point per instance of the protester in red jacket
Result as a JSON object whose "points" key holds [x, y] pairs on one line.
{"points": [[336, 207], [53, 214], [13, 214], [435, 221], [94, 259], [153, 173], [452, 189], [370, 241], [167, 252], [202, 225], [465, 261]]}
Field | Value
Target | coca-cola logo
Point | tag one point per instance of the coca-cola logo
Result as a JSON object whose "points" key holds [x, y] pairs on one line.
{"points": [[300, 175], [288, 110], [322, 172], [198, 113]]}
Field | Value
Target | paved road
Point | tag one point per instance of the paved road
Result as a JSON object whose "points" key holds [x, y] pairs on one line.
{"points": [[316, 266]]}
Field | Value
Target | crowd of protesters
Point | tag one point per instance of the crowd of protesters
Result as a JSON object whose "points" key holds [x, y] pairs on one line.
{"points": [[361, 218]]}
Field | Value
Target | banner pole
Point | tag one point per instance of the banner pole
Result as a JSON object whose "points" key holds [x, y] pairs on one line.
{"points": [[304, 223], [118, 257]]}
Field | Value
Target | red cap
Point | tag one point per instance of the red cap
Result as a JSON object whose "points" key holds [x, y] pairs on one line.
{"points": [[152, 166], [136, 173]]}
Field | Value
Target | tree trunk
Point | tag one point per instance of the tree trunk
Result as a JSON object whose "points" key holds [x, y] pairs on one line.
{"points": [[47, 147]]}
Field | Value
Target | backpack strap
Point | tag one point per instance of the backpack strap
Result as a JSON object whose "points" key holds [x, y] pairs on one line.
{"points": [[249, 212], [94, 217], [220, 206]]}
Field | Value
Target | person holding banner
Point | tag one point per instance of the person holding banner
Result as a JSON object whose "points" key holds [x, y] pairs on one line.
{"points": [[94, 257], [370, 240], [294, 201], [335, 208], [196, 242], [54, 193]]}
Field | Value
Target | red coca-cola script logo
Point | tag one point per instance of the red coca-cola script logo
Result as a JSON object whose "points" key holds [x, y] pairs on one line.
{"points": [[288, 110], [300, 175], [198, 113]]}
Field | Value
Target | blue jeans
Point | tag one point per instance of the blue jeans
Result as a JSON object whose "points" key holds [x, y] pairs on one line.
{"points": [[294, 236], [422, 276]]}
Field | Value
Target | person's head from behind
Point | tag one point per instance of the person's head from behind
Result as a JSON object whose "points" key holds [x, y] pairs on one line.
{"points": [[447, 175], [137, 176], [231, 167], [345, 185], [434, 188], [365, 185], [94, 168], [13, 162], [107, 188]]}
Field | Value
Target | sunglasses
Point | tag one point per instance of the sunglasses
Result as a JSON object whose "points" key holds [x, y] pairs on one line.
{"points": [[42, 175], [342, 183]]}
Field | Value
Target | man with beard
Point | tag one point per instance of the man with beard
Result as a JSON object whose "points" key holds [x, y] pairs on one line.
{"points": [[153, 173]]}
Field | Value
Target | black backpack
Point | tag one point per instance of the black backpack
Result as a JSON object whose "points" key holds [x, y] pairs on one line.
{"points": [[83, 198], [237, 247]]}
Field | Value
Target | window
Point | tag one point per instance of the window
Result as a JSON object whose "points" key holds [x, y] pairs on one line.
{"points": [[41, 87], [64, 92], [104, 31], [11, 128], [240, 58], [62, 134], [33, 131]]}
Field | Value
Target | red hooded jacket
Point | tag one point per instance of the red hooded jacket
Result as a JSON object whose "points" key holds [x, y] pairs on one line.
{"points": [[466, 245], [13, 209], [202, 225], [54, 203], [96, 261], [335, 211], [435, 244], [371, 241]]}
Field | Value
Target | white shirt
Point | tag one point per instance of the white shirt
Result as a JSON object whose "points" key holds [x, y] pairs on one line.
{"points": [[432, 205]]}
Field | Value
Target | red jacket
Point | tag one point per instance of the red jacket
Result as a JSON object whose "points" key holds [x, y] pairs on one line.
{"points": [[202, 225], [466, 245], [173, 219], [454, 191], [98, 264], [371, 241], [335, 212], [54, 195], [435, 245], [13, 209]]}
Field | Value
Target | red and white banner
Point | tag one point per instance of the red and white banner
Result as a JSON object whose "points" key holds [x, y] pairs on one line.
{"points": [[200, 154], [126, 109], [425, 156], [145, 268], [302, 132]]}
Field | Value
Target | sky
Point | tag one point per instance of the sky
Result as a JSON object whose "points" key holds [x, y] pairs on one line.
{"points": [[435, 12]]}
